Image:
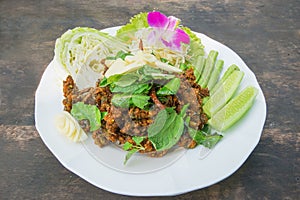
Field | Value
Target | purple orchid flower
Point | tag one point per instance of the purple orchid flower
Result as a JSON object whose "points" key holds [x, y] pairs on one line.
{"points": [[165, 30]]}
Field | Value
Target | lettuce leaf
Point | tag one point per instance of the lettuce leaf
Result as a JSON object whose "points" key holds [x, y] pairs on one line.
{"points": [[126, 32], [196, 47]]}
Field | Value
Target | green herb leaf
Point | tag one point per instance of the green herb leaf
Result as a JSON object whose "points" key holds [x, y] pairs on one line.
{"points": [[170, 88], [138, 140], [210, 140], [132, 149], [121, 54], [112, 79], [85, 111], [127, 146], [127, 32], [184, 66], [148, 73], [103, 82], [140, 100], [129, 154], [203, 137], [126, 79], [124, 100], [162, 119], [134, 89], [121, 100], [183, 110], [167, 135]]}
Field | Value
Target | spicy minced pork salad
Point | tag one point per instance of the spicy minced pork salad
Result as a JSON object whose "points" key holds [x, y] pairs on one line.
{"points": [[148, 89]]}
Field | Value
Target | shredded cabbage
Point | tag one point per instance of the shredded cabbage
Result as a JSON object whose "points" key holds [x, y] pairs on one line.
{"points": [[84, 47]]}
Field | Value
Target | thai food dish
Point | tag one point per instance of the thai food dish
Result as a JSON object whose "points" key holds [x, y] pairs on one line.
{"points": [[150, 88]]}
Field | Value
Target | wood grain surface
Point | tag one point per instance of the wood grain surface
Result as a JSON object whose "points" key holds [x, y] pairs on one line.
{"points": [[265, 33]]}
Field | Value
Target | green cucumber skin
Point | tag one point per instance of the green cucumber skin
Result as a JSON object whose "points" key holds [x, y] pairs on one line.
{"points": [[215, 74], [236, 105], [208, 68], [199, 67], [210, 107], [227, 73]]}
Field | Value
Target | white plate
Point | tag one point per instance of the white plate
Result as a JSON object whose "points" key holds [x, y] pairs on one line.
{"points": [[181, 172]]}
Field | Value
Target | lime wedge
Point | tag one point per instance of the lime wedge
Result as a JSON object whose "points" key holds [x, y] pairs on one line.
{"points": [[224, 93], [234, 110]]}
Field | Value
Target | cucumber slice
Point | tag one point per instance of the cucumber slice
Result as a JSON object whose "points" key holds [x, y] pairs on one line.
{"points": [[208, 68], [230, 69], [234, 110], [215, 74], [224, 93]]}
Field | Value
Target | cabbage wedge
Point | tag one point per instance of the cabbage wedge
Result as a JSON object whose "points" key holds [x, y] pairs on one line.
{"points": [[82, 49]]}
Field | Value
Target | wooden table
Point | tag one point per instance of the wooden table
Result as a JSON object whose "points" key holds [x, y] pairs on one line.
{"points": [[265, 33]]}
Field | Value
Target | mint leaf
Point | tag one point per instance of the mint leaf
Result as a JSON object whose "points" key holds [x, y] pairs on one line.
{"points": [[90, 112], [170, 88], [162, 119], [129, 154], [140, 100], [135, 88], [183, 110], [110, 80], [137, 140], [132, 149], [202, 137], [124, 100], [127, 146], [121, 100], [126, 79], [209, 141], [167, 135]]}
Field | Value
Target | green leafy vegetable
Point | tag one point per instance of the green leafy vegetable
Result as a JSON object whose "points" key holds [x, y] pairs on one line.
{"points": [[133, 148], [126, 79], [196, 47], [203, 137], [90, 112], [140, 101], [142, 88], [126, 32], [124, 100], [129, 154], [145, 74], [170, 88], [132, 88], [167, 129], [183, 66], [149, 73], [163, 119]]}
